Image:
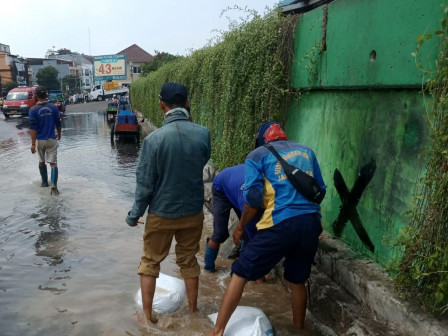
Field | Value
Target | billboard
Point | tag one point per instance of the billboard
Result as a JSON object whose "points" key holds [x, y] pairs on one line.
{"points": [[109, 67]]}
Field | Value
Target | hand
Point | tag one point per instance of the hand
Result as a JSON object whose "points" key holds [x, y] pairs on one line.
{"points": [[131, 221], [33, 149], [237, 235]]}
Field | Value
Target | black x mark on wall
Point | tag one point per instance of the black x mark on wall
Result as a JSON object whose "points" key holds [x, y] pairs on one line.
{"points": [[350, 200]]}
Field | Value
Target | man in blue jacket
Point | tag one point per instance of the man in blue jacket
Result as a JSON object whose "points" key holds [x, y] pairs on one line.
{"points": [[227, 194], [44, 119], [170, 186], [290, 226]]}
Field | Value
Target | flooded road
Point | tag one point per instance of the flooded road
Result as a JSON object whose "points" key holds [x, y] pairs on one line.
{"points": [[68, 263]]}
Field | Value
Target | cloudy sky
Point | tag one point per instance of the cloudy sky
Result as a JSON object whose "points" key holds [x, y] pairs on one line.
{"points": [[103, 27]]}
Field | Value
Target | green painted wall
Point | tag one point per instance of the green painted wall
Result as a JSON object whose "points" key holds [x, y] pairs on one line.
{"points": [[358, 108], [355, 28], [349, 128]]}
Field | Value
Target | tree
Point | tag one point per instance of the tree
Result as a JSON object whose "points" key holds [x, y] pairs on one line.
{"points": [[9, 86], [72, 82], [48, 77], [159, 60]]}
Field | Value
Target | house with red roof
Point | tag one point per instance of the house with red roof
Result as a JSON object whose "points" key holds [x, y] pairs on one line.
{"points": [[136, 58]]}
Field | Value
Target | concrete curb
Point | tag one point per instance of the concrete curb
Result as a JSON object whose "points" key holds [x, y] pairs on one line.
{"points": [[374, 289], [146, 126]]}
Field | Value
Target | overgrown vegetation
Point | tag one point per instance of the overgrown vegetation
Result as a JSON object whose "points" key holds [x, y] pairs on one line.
{"points": [[234, 85], [423, 269], [160, 59]]}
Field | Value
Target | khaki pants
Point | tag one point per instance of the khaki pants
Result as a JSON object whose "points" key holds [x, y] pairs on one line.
{"points": [[159, 233], [47, 150]]}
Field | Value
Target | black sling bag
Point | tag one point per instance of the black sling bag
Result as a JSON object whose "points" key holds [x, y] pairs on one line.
{"points": [[304, 183]]}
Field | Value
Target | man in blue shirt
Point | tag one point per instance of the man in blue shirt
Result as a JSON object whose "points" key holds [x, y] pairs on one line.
{"points": [[44, 118], [170, 186], [290, 226], [227, 194]]}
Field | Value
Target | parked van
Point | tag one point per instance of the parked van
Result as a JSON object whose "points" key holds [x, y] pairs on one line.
{"points": [[19, 101]]}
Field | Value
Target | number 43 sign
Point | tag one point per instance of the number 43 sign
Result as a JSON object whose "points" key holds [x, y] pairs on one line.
{"points": [[109, 67]]}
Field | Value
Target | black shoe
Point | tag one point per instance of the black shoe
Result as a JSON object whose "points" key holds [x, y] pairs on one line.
{"points": [[235, 254]]}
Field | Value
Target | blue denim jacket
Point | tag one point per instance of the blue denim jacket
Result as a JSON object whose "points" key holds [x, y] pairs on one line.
{"points": [[170, 170]]}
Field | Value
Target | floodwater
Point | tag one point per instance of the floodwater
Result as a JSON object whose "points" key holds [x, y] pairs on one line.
{"points": [[68, 263]]}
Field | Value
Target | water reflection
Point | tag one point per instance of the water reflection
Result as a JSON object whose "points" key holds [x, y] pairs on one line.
{"points": [[51, 241], [6, 145], [127, 152]]}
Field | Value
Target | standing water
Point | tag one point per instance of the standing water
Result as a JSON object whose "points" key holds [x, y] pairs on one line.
{"points": [[68, 263]]}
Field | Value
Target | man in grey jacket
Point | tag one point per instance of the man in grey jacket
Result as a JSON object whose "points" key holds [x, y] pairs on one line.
{"points": [[170, 186]]}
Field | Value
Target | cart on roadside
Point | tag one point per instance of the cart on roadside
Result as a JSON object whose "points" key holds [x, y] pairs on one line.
{"points": [[125, 127], [111, 111]]}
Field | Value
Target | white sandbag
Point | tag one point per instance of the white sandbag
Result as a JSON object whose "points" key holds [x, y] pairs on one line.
{"points": [[246, 321], [169, 295]]}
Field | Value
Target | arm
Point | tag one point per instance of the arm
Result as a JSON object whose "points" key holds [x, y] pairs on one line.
{"points": [[246, 216], [144, 187], [33, 133], [58, 129], [58, 122]]}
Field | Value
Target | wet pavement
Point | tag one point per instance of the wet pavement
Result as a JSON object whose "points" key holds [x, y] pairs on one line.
{"points": [[68, 263]]}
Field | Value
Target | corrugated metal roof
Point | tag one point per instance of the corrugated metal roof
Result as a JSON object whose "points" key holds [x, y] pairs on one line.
{"points": [[73, 57]]}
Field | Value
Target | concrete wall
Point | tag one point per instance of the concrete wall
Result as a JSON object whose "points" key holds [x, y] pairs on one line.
{"points": [[363, 105]]}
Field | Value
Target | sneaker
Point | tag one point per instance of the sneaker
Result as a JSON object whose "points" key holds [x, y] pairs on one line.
{"points": [[44, 185], [54, 190]]}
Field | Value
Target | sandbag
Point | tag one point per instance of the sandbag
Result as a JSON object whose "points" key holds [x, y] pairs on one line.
{"points": [[246, 321], [169, 295]]}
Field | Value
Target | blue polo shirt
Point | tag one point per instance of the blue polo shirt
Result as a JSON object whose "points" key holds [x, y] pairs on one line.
{"points": [[44, 118]]}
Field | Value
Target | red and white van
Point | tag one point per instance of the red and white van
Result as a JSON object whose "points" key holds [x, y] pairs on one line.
{"points": [[19, 101]]}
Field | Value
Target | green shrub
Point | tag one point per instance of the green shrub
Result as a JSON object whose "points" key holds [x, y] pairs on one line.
{"points": [[234, 85], [422, 272]]}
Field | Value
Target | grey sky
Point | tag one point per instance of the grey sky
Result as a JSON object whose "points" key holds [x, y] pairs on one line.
{"points": [[102, 27]]}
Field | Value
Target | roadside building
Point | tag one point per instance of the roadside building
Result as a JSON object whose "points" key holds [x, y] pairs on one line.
{"points": [[62, 66], [81, 67], [13, 68], [136, 58]]}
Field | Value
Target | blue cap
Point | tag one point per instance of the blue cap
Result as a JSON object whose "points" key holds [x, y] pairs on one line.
{"points": [[173, 93], [260, 141]]}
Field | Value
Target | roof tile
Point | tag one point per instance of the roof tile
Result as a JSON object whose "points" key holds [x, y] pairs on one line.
{"points": [[136, 54]]}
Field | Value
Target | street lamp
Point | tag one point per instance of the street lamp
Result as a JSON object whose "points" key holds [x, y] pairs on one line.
{"points": [[131, 66]]}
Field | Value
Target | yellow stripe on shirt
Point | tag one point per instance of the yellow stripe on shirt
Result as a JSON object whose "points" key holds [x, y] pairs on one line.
{"points": [[269, 203]]}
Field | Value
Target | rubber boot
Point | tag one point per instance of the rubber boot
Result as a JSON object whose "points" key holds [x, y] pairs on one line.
{"points": [[44, 175], [54, 181], [210, 257]]}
